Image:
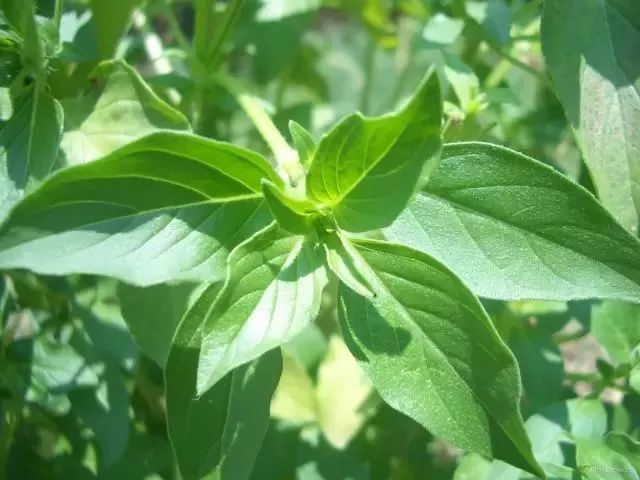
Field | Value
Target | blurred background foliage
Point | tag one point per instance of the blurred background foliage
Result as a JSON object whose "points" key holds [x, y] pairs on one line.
{"points": [[81, 394]]}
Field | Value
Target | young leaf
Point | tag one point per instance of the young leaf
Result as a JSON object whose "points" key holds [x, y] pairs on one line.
{"points": [[126, 109], [433, 353], [222, 429], [304, 143], [590, 50], [514, 228], [28, 147], [169, 206], [273, 290], [367, 169], [292, 215], [346, 263]]}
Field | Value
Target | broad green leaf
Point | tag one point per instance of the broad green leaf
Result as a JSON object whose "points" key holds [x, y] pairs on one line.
{"points": [[292, 215], [272, 291], [590, 51], [616, 325], [111, 19], [28, 146], [513, 228], [304, 143], [170, 206], [596, 461], [343, 388], [223, 428], [152, 314], [125, 110], [625, 445], [433, 354], [541, 366], [366, 169]]}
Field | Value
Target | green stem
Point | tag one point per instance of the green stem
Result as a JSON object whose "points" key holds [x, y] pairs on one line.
{"points": [[285, 157], [204, 16], [57, 15]]}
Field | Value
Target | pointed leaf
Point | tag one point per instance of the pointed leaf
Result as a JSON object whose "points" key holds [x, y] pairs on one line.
{"points": [[126, 109], [367, 169], [433, 353], [304, 143], [590, 49], [273, 290], [223, 429], [168, 206], [29, 144], [514, 228], [346, 263]]}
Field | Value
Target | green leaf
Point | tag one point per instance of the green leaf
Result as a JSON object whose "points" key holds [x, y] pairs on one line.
{"points": [[304, 143], [153, 314], [111, 19], [616, 325], [366, 169], [295, 216], [493, 16], [169, 206], [625, 445], [346, 263], [28, 147], [20, 14], [596, 461], [273, 290], [105, 411], [513, 228], [433, 354], [442, 30], [589, 50], [223, 428], [125, 110]]}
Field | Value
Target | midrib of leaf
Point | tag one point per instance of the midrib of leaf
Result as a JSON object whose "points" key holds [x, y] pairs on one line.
{"points": [[525, 232], [365, 168], [435, 346], [32, 125], [181, 155]]}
